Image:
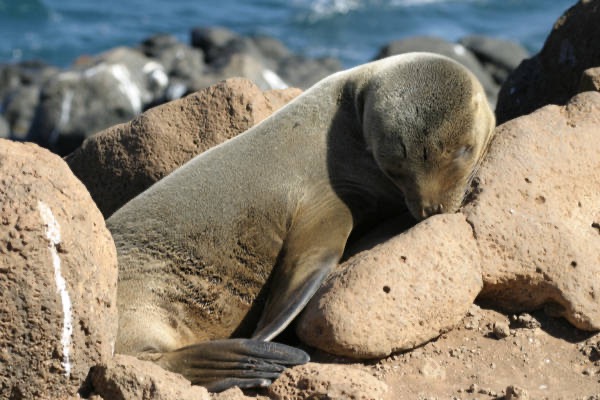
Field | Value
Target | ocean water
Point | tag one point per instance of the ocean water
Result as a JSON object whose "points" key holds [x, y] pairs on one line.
{"points": [[58, 31]]}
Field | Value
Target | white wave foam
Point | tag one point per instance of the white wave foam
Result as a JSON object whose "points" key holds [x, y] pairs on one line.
{"points": [[53, 236]]}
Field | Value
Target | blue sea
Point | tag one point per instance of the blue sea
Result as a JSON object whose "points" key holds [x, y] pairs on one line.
{"points": [[58, 31]]}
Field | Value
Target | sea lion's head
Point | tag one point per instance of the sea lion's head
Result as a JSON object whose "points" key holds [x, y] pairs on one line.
{"points": [[428, 125]]}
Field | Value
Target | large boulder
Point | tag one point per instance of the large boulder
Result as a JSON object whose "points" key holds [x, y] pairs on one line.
{"points": [[120, 162], [327, 381], [552, 76], [58, 276], [127, 378], [536, 219], [397, 295], [111, 88]]}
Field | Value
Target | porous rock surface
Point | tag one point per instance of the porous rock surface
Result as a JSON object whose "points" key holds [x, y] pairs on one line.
{"points": [[397, 295], [537, 220], [327, 381], [58, 275], [590, 80], [127, 378], [122, 161], [552, 76]]}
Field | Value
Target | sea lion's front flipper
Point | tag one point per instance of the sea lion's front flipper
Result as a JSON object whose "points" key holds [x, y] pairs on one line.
{"points": [[221, 364], [310, 252]]}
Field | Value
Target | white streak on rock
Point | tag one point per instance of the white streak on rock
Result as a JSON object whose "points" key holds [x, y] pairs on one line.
{"points": [[53, 236], [65, 109], [273, 80], [127, 86], [459, 49], [157, 73]]}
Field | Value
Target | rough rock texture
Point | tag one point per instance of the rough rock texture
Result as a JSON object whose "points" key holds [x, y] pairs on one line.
{"points": [[552, 76], [590, 80], [397, 295], [537, 220], [58, 275], [127, 378], [327, 381], [120, 162]]}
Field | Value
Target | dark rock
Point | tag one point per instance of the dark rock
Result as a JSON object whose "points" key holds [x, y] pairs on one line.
{"points": [[58, 274], [4, 128], [75, 104], [264, 60], [456, 51], [12, 76], [19, 109], [590, 80], [211, 40], [117, 164], [552, 76], [303, 72], [498, 56], [184, 65]]}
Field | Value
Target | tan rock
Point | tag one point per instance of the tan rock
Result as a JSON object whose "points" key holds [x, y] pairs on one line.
{"points": [[590, 80], [122, 161], [537, 220], [552, 76], [127, 378], [327, 381], [235, 393], [58, 275], [397, 295]]}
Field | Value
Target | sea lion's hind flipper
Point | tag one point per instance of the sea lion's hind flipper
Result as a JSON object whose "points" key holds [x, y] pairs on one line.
{"points": [[221, 364]]}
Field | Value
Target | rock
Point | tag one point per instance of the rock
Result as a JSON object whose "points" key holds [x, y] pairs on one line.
{"points": [[536, 219], [235, 393], [13, 76], [526, 321], [4, 128], [327, 381], [406, 288], [498, 56], [552, 76], [212, 41], [501, 330], [590, 80], [516, 393], [127, 378], [304, 72], [113, 88], [120, 162], [455, 51], [19, 109], [183, 64], [264, 60], [58, 274]]}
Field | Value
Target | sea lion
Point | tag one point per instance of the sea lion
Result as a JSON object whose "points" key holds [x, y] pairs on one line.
{"points": [[257, 222]]}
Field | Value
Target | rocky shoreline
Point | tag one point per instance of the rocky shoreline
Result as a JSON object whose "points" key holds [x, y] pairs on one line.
{"points": [[58, 109], [498, 301]]}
